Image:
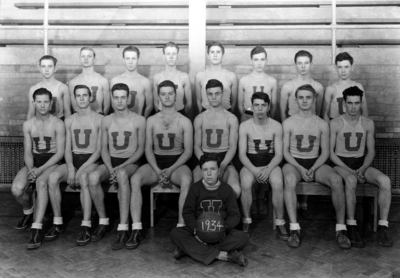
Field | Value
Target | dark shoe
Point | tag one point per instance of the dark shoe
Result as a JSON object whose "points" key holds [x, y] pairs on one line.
{"points": [[236, 257], [294, 239], [121, 240], [53, 233], [36, 239], [354, 237], [384, 238], [134, 240], [178, 253], [342, 240], [246, 229], [261, 206], [253, 208], [99, 233], [305, 214], [26, 221], [282, 233], [84, 236]]}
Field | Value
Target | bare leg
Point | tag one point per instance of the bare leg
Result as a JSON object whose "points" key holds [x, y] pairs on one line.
{"points": [[86, 201], [182, 177], [124, 191], [248, 180], [276, 181], [350, 182], [96, 192], [59, 175], [197, 174], [376, 177], [231, 177], [19, 187], [291, 178]]}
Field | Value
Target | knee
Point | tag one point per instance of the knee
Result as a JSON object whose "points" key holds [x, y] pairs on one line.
{"points": [[16, 189], [53, 180], [336, 182], [83, 180], [135, 182], [276, 184], [246, 184], [351, 183], [41, 185], [384, 183], [122, 175], [237, 191], [94, 179], [290, 182], [186, 181]]}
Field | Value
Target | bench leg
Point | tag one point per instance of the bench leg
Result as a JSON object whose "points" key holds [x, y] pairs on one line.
{"points": [[375, 213], [272, 210], [151, 209]]}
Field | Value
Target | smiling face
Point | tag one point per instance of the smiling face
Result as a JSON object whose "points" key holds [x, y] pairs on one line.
{"points": [[215, 55], [87, 58], [167, 96], [303, 65], [47, 68], [344, 69], [120, 99], [130, 60], [259, 60], [210, 172], [305, 99]]}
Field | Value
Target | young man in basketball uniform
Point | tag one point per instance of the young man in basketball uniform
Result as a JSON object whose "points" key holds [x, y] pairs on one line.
{"points": [[122, 147], [333, 99], [351, 133], [216, 131], [61, 107], [44, 140], [260, 151], [304, 134], [139, 86], [256, 81], [169, 145], [210, 194], [181, 80], [215, 54], [82, 153], [100, 100]]}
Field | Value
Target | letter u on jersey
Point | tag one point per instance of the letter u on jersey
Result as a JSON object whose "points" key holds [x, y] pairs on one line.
{"points": [[171, 137], [219, 136], [311, 140], [127, 135], [347, 136], [257, 143], [39, 144], [87, 133]]}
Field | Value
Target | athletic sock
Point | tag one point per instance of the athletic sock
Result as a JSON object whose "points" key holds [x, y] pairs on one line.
{"points": [[246, 220], [86, 223], [28, 211], [37, 225], [57, 220], [179, 225], [280, 222], [122, 227], [104, 221], [222, 256], [340, 227], [137, 226], [294, 226], [383, 223], [351, 222]]}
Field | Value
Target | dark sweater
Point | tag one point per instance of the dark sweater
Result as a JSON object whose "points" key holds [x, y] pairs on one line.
{"points": [[221, 200]]}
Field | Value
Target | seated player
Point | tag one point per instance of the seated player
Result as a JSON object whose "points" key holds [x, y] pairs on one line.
{"points": [[169, 145], [181, 79], [350, 134], [44, 139], [260, 151], [256, 81], [215, 54], [333, 99], [139, 86], [61, 107], [100, 100], [82, 153], [210, 195], [122, 147], [304, 134], [216, 131]]}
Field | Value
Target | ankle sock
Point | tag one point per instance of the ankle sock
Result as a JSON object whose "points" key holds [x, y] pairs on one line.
{"points": [[383, 223], [351, 222], [340, 227], [57, 220], [137, 226], [280, 222], [37, 225], [246, 220], [294, 226], [104, 221], [122, 227], [87, 223], [222, 256], [179, 225]]}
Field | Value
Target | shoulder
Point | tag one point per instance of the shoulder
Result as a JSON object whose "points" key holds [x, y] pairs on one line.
{"points": [[275, 124], [318, 86], [115, 79], [230, 75], [68, 121], [331, 88], [199, 118], [74, 80], [244, 79], [152, 119], [322, 123], [139, 119], [288, 86], [336, 122], [201, 74], [271, 79], [359, 85], [367, 122], [286, 123], [102, 79], [185, 121], [244, 127], [183, 76], [59, 123], [27, 124], [232, 119], [144, 80]]}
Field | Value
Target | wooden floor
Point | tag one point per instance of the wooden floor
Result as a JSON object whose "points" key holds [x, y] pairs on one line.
{"points": [[318, 255]]}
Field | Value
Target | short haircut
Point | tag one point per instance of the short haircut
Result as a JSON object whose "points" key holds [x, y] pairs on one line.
{"points": [[166, 83], [48, 57], [216, 43], [303, 53], [206, 157], [262, 96], [77, 87], [170, 44], [352, 91], [257, 50], [214, 83], [88, 48], [306, 87], [120, 86], [131, 48], [42, 92], [343, 57]]}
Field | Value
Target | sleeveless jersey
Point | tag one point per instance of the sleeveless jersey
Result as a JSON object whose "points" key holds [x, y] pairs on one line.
{"points": [[260, 141], [336, 108], [57, 109], [254, 85], [180, 92], [43, 141], [167, 141], [305, 140], [221, 76], [122, 141], [350, 141], [215, 137], [292, 102], [97, 92], [84, 136]]}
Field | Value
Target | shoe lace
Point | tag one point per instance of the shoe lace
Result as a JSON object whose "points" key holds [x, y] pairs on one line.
{"points": [[341, 237], [282, 229]]}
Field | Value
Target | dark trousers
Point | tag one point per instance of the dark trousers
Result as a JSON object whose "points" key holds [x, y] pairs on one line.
{"points": [[184, 238]]}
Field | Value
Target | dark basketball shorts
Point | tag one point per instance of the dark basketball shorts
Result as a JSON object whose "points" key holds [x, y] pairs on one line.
{"points": [[116, 161], [306, 162], [39, 159], [79, 159], [166, 161], [353, 162], [260, 159]]}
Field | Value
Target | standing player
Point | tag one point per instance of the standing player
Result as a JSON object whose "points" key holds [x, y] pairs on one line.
{"points": [[140, 87], [260, 151], [256, 81], [181, 80], [216, 131], [350, 134], [44, 139], [61, 107], [122, 147], [304, 134], [229, 80], [333, 99], [100, 100], [169, 145], [82, 153], [210, 195]]}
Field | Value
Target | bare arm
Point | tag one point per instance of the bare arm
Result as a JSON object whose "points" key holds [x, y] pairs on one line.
{"points": [[240, 96], [370, 130], [68, 147], [151, 159], [197, 81], [71, 87], [66, 100], [198, 123], [274, 96], [188, 92], [28, 156], [234, 91], [233, 140], [323, 126], [335, 127], [31, 107], [278, 147], [286, 89], [155, 93], [320, 99], [286, 143], [105, 155], [107, 98], [243, 134], [329, 92], [364, 109], [148, 94]]}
